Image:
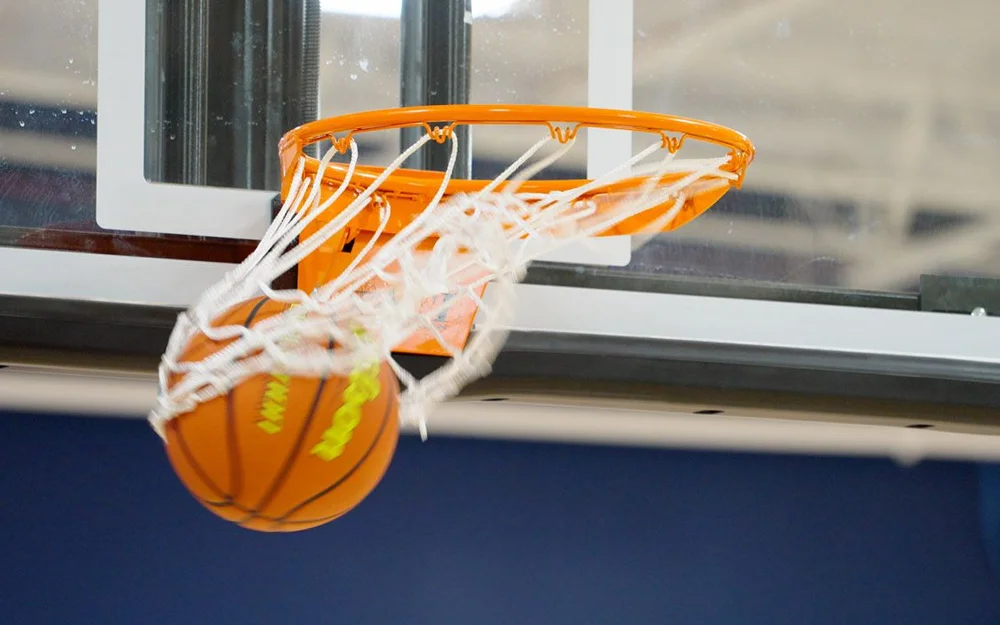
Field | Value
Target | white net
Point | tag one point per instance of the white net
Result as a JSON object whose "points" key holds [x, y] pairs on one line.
{"points": [[474, 239]]}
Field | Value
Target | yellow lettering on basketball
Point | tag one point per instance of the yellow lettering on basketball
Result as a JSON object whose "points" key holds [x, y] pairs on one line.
{"points": [[363, 386], [277, 388], [272, 408], [275, 400]]}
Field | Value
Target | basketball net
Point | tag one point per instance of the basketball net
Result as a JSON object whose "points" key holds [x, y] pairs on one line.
{"points": [[474, 239]]}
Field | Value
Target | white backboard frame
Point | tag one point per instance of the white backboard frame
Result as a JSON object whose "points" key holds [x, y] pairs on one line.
{"points": [[126, 200]]}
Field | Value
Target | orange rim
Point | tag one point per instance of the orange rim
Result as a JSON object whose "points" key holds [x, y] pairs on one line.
{"points": [[563, 123], [407, 191]]}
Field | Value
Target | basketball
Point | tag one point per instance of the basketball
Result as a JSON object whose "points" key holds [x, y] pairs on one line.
{"points": [[280, 453]]}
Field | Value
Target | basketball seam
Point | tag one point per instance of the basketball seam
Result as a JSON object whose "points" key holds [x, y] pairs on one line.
{"points": [[293, 456], [220, 504], [232, 443], [227, 498], [283, 520], [195, 466], [340, 481]]}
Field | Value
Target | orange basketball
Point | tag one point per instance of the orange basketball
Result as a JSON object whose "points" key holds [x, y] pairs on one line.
{"points": [[281, 453]]}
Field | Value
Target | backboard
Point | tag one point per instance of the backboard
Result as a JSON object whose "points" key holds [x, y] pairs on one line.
{"points": [[138, 162]]}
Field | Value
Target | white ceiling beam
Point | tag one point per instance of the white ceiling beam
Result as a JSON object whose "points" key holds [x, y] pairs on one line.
{"points": [[912, 147], [26, 148], [796, 239], [893, 265], [717, 38], [858, 186], [43, 89]]}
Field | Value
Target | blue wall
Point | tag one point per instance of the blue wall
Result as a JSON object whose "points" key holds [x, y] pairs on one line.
{"points": [[96, 529]]}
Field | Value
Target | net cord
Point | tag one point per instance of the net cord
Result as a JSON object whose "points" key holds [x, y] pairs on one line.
{"points": [[488, 237]]}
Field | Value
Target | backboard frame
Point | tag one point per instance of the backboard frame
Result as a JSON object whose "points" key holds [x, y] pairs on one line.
{"points": [[578, 387], [128, 201]]}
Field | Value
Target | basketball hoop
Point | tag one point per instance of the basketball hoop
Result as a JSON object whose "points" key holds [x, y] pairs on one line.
{"points": [[393, 259]]}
